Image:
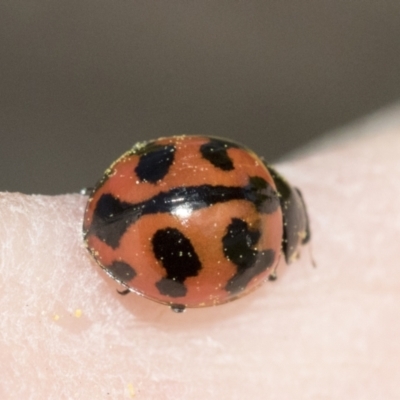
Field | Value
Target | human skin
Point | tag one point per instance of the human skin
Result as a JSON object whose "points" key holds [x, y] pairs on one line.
{"points": [[325, 332]]}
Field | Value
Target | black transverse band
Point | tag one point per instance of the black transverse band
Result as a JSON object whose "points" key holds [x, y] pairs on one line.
{"points": [[112, 217]]}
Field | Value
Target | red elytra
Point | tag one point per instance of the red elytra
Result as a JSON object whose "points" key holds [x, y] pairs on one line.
{"points": [[191, 221]]}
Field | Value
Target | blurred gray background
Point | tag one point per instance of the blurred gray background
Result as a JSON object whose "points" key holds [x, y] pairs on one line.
{"points": [[82, 80]]}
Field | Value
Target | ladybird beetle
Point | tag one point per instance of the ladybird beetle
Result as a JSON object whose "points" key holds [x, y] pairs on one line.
{"points": [[193, 221]]}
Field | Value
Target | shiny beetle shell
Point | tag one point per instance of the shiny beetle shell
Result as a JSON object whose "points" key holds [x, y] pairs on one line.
{"points": [[193, 221]]}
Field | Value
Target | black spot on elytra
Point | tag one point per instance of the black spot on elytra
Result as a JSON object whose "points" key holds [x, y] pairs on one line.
{"points": [[261, 193], [112, 217], [154, 163], [178, 257], [238, 245], [215, 151], [121, 271]]}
